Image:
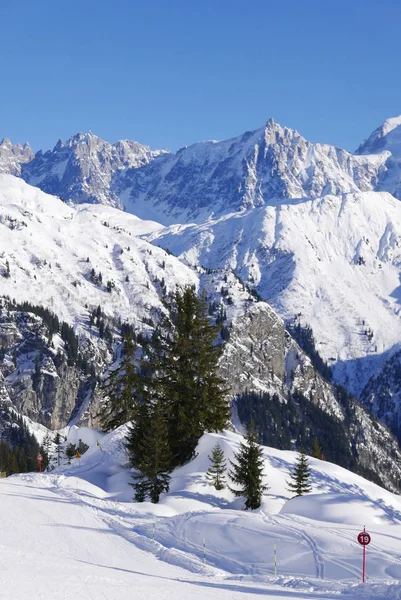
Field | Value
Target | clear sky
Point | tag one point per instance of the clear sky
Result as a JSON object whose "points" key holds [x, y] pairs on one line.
{"points": [[171, 72]]}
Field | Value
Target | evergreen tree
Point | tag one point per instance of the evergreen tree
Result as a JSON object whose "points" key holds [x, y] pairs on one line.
{"points": [[300, 476], [247, 471], [70, 452], [148, 447], [316, 450], [82, 447], [216, 472], [188, 373], [13, 467], [45, 450], [120, 389], [59, 448]]}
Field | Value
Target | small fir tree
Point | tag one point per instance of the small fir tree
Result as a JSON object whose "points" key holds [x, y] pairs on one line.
{"points": [[59, 448], [216, 472], [70, 452], [45, 450], [247, 471], [299, 483], [316, 450]]}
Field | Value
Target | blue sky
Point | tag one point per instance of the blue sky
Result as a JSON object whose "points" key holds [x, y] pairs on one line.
{"points": [[171, 72]]}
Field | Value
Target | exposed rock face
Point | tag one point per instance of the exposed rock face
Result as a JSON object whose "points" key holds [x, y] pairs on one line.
{"points": [[214, 178], [13, 156], [262, 356], [254, 357], [382, 394], [39, 380], [82, 168]]}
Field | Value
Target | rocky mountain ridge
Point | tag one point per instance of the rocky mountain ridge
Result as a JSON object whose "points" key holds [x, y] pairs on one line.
{"points": [[13, 156], [82, 168], [205, 179]]}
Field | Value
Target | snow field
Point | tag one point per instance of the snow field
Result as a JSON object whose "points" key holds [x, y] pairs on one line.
{"points": [[78, 524]]}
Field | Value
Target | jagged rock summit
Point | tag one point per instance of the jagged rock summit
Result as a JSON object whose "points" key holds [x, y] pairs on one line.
{"points": [[210, 179], [385, 142], [81, 170], [13, 156]]}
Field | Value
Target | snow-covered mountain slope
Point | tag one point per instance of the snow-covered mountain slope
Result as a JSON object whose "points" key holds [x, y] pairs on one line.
{"points": [[71, 261], [76, 533], [214, 178], [52, 254], [13, 156], [386, 137], [385, 143], [333, 263], [82, 168]]}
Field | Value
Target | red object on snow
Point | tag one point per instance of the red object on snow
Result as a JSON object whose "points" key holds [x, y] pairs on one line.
{"points": [[39, 458], [364, 539]]}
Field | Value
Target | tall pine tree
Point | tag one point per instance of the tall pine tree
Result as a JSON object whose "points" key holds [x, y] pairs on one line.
{"points": [[247, 471], [120, 390], [194, 390], [299, 483], [180, 393]]}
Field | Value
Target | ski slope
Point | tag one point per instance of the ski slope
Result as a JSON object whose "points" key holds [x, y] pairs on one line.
{"points": [[74, 533]]}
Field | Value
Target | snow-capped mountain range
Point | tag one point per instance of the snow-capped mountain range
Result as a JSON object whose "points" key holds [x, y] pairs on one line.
{"points": [[83, 168], [314, 228]]}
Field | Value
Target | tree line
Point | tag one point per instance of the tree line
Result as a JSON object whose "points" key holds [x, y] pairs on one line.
{"points": [[246, 472]]}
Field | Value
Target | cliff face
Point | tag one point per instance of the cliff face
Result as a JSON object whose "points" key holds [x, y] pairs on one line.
{"points": [[37, 375], [261, 356]]}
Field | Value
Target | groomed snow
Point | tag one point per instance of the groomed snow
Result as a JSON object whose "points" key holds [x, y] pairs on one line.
{"points": [[74, 533]]}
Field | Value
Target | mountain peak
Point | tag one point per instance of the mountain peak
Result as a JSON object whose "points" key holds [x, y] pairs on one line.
{"points": [[83, 168], [385, 137], [83, 138], [13, 155]]}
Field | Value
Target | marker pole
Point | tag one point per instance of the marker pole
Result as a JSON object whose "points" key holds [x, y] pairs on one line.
{"points": [[204, 551], [153, 531], [364, 539], [364, 561], [275, 559]]}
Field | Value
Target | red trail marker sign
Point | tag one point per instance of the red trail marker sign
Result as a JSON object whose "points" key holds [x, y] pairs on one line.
{"points": [[364, 539], [39, 458]]}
